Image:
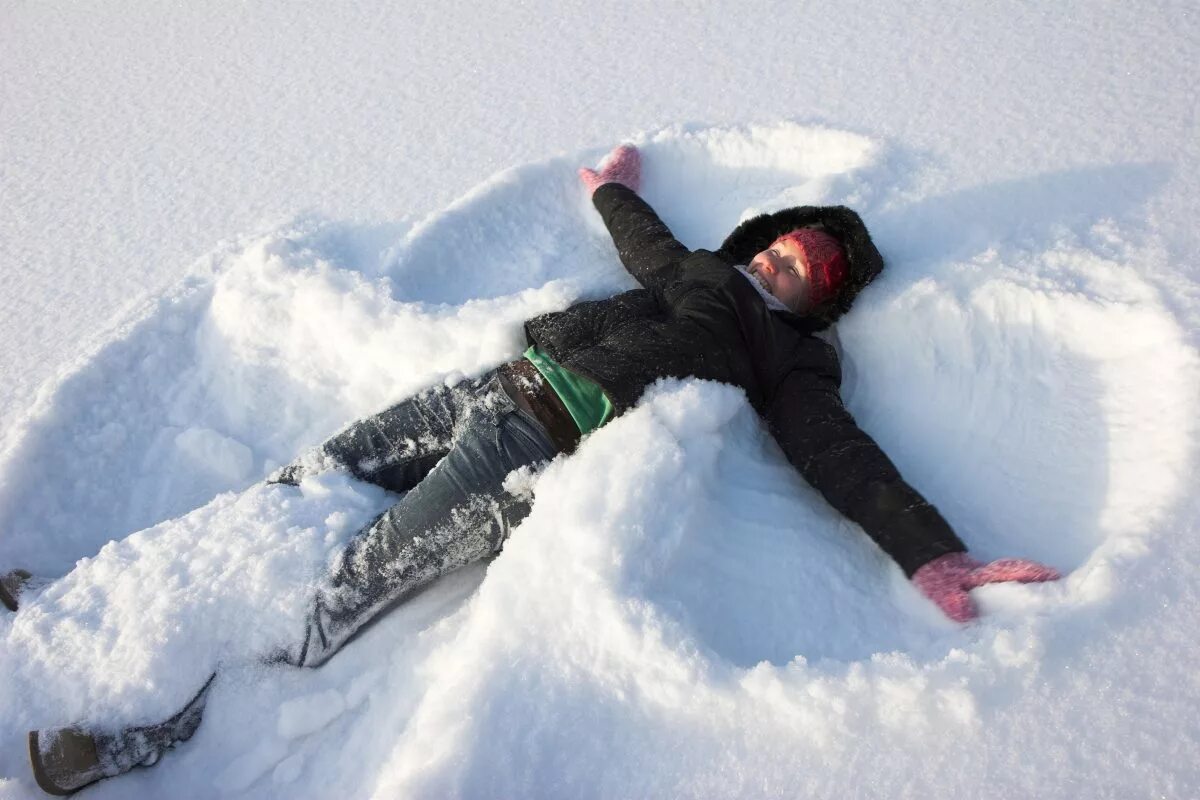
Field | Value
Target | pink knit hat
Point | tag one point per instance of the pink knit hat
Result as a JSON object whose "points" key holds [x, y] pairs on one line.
{"points": [[826, 261]]}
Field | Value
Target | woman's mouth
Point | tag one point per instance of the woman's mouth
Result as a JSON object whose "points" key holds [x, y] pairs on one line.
{"points": [[761, 280]]}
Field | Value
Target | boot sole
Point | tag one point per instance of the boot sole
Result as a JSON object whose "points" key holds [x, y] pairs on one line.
{"points": [[180, 728], [39, 774]]}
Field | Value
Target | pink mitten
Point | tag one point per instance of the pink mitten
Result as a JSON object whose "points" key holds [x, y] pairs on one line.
{"points": [[623, 165], [947, 579]]}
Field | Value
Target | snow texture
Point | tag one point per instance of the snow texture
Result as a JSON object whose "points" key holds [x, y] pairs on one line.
{"points": [[680, 615], [678, 597]]}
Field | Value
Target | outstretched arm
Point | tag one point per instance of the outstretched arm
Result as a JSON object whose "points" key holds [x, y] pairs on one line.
{"points": [[646, 246], [822, 440], [839, 459]]}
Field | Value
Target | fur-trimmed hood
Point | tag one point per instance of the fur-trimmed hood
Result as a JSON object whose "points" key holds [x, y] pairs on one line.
{"points": [[756, 234]]}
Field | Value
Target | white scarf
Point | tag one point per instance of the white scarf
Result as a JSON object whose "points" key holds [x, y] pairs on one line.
{"points": [[773, 302]]}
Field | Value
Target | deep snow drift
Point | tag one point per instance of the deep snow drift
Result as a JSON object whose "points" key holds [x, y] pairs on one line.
{"points": [[681, 615]]}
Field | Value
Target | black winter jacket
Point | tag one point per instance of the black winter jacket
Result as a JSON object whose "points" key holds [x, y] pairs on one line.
{"points": [[698, 317]]}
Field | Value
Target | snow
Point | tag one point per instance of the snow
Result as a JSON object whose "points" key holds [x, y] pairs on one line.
{"points": [[235, 231]]}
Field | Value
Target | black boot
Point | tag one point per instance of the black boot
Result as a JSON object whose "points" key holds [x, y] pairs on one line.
{"points": [[65, 760], [11, 584]]}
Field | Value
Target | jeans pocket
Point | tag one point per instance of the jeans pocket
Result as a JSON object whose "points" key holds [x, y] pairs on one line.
{"points": [[524, 439]]}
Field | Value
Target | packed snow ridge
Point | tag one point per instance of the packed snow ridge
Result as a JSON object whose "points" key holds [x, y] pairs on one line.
{"points": [[680, 615]]}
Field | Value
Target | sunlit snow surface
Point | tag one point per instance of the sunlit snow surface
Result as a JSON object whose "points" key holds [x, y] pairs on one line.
{"points": [[680, 615]]}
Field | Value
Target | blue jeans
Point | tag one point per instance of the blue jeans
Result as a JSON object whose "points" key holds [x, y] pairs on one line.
{"points": [[449, 449]]}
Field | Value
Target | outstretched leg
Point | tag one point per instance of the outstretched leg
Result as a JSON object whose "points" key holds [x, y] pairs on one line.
{"points": [[458, 514], [394, 449], [450, 449]]}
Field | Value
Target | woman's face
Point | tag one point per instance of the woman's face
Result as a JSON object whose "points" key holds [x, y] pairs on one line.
{"points": [[782, 271]]}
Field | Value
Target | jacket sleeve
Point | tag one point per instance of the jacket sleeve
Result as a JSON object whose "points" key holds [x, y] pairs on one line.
{"points": [[646, 246], [837, 458]]}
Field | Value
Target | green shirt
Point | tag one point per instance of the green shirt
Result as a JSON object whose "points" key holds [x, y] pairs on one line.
{"points": [[584, 399]]}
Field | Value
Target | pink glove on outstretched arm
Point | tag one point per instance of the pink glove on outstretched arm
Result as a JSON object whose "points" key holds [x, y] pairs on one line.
{"points": [[946, 580], [623, 165]]}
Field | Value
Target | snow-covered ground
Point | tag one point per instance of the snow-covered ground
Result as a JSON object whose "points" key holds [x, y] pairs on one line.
{"points": [[230, 231]]}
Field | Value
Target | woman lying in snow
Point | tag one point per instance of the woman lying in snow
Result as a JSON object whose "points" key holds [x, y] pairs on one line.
{"points": [[743, 315]]}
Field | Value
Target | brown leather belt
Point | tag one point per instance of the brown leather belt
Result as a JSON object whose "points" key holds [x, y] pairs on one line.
{"points": [[530, 391]]}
